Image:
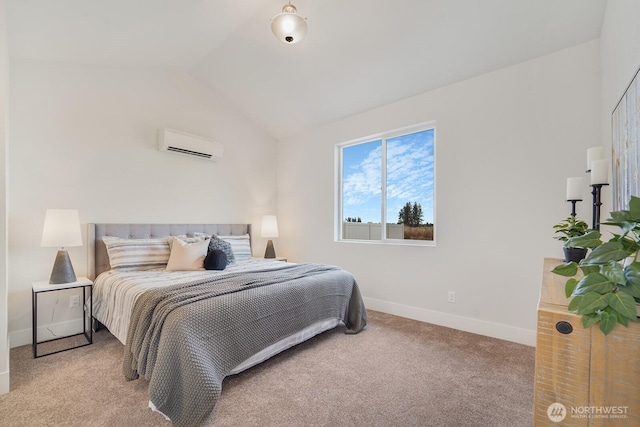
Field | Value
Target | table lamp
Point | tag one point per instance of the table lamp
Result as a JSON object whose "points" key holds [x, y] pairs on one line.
{"points": [[61, 229], [269, 229]]}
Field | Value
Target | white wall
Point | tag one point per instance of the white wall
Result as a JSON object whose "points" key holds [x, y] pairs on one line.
{"points": [[4, 103], [620, 45], [86, 138], [505, 144]]}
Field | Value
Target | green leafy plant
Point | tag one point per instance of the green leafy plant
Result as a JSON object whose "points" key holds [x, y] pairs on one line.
{"points": [[570, 227], [609, 286]]}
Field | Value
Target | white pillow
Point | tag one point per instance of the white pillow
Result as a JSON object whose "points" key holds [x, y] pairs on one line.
{"points": [[137, 254], [240, 245], [197, 238], [187, 256]]}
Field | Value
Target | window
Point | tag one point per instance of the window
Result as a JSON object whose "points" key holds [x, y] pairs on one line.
{"points": [[387, 179]]}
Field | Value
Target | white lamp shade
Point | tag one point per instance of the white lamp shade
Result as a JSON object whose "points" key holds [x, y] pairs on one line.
{"points": [[61, 228], [288, 26], [269, 226]]}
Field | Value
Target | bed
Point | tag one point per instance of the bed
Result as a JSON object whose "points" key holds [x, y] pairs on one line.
{"points": [[185, 331]]}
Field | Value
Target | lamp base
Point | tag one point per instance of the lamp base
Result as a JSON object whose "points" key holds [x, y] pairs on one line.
{"points": [[62, 269], [270, 252]]}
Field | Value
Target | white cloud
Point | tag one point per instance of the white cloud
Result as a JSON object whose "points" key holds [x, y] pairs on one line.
{"points": [[361, 186], [409, 171]]}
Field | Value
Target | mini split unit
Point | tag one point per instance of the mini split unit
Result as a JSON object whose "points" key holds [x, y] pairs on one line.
{"points": [[175, 141]]}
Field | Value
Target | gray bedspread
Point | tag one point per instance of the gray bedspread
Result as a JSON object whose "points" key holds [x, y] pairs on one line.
{"points": [[186, 338]]}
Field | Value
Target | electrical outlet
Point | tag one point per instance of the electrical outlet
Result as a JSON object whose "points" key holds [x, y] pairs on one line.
{"points": [[451, 297], [74, 301]]}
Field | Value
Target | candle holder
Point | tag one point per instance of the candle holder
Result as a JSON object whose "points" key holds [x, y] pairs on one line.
{"points": [[597, 190], [573, 206]]}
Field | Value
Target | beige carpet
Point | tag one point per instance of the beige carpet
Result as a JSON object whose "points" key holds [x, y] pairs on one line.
{"points": [[398, 372]]}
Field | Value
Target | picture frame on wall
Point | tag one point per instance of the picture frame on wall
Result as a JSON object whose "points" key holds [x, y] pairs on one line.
{"points": [[625, 145]]}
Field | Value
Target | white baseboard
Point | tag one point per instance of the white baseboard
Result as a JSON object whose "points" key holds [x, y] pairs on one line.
{"points": [[481, 327], [4, 376], [46, 332], [4, 382]]}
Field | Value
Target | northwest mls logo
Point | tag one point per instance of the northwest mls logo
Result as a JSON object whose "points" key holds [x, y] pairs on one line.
{"points": [[556, 412]]}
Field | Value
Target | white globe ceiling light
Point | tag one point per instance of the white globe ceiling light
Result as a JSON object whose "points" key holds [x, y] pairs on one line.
{"points": [[288, 26]]}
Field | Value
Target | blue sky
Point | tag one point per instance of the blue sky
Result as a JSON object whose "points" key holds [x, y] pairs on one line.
{"points": [[410, 177]]}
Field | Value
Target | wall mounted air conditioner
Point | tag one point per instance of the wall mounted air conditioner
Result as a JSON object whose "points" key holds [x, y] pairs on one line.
{"points": [[175, 141]]}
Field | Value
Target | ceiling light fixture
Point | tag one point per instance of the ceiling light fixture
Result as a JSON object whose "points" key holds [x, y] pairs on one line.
{"points": [[288, 26]]}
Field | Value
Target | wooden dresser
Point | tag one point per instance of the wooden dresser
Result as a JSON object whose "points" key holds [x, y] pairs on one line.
{"points": [[595, 378]]}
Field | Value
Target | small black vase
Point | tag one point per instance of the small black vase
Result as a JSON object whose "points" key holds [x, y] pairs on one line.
{"points": [[574, 254]]}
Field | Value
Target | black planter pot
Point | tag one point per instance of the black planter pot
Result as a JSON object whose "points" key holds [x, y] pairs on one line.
{"points": [[574, 254]]}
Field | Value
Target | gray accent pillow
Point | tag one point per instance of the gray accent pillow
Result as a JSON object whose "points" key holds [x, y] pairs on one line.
{"points": [[225, 247]]}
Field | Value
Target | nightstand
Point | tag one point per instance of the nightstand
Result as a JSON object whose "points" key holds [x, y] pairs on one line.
{"points": [[38, 288]]}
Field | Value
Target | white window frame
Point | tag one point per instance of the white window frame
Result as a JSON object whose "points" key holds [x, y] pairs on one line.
{"points": [[384, 136]]}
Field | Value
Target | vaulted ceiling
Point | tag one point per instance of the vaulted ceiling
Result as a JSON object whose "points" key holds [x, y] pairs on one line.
{"points": [[357, 55]]}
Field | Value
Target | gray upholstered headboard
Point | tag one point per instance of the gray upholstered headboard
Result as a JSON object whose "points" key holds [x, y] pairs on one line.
{"points": [[99, 259]]}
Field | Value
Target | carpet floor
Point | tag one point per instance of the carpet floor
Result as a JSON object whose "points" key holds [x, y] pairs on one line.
{"points": [[397, 372]]}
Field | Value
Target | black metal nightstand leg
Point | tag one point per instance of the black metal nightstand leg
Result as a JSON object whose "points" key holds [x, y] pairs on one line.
{"points": [[34, 323]]}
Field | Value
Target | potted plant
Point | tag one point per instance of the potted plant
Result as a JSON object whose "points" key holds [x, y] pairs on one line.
{"points": [[568, 229], [608, 287]]}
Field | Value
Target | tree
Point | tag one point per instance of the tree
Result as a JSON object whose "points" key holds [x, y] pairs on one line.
{"points": [[404, 216], [416, 214], [410, 215]]}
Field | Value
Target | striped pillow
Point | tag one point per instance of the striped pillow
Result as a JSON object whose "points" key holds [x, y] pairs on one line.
{"points": [[137, 254], [240, 245]]}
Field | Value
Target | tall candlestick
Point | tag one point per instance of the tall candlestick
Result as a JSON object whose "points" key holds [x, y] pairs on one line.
{"points": [[597, 202], [574, 188], [600, 172], [593, 154]]}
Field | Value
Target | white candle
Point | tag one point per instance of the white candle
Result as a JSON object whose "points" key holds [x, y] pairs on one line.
{"points": [[600, 172], [574, 188], [593, 154]]}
